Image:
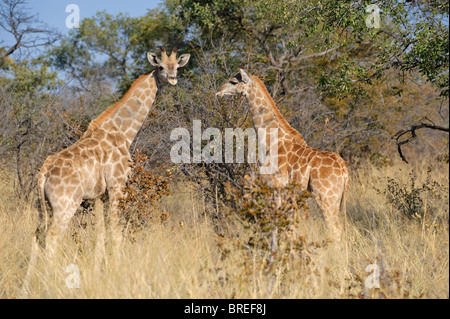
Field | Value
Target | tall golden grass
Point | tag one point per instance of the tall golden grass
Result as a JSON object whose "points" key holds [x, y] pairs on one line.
{"points": [[185, 258]]}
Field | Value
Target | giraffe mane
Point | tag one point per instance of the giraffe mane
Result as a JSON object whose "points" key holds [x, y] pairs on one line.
{"points": [[96, 123], [275, 109]]}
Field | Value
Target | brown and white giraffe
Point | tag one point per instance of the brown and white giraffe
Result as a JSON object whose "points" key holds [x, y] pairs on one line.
{"points": [[99, 162], [324, 174]]}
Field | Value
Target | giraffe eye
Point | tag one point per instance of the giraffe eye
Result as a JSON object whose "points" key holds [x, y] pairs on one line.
{"points": [[234, 82], [161, 68]]}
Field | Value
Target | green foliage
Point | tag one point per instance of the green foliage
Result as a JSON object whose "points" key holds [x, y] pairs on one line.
{"points": [[100, 49], [113, 48], [24, 77], [418, 39], [430, 55]]}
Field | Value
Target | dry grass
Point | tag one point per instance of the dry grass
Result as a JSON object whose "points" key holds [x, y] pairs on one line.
{"points": [[184, 258]]}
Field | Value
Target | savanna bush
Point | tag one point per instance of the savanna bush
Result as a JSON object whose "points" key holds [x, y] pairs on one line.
{"points": [[271, 219], [418, 201], [142, 195]]}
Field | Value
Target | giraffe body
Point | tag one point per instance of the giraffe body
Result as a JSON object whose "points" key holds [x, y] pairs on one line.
{"points": [[323, 173], [99, 162]]}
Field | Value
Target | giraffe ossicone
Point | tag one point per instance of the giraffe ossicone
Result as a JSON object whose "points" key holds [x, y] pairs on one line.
{"points": [[323, 173]]}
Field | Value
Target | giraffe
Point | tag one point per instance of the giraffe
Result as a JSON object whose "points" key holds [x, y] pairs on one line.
{"points": [[323, 173], [99, 162]]}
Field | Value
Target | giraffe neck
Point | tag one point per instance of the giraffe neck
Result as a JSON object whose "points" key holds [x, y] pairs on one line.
{"points": [[128, 114], [265, 113]]}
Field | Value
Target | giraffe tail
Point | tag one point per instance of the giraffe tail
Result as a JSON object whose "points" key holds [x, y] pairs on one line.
{"points": [[343, 205], [43, 214]]}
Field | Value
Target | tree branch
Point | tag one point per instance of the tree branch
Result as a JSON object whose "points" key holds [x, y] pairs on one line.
{"points": [[27, 30], [412, 131], [314, 55]]}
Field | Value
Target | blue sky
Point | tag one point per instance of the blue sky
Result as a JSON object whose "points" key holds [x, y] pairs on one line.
{"points": [[53, 12]]}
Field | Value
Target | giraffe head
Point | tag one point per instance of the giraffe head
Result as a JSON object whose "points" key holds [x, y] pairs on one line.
{"points": [[237, 85], [166, 68]]}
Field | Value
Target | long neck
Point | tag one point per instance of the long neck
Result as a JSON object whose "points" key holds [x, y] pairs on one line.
{"points": [[128, 114], [265, 113]]}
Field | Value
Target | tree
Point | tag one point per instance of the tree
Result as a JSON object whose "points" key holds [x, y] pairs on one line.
{"points": [[99, 50], [278, 34], [25, 99], [26, 28], [328, 47]]}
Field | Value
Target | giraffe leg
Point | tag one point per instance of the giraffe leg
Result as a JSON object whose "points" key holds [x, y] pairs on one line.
{"points": [[100, 230], [274, 239], [330, 211], [334, 223], [115, 194], [61, 219]]}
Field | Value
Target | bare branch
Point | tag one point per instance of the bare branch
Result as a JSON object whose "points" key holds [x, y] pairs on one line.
{"points": [[314, 55], [26, 28], [413, 135]]}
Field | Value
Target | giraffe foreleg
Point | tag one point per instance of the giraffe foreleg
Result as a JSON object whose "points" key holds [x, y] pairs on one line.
{"points": [[100, 230], [115, 194]]}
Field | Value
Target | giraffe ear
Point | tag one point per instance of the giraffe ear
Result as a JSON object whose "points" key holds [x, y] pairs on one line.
{"points": [[153, 59], [245, 77], [183, 60]]}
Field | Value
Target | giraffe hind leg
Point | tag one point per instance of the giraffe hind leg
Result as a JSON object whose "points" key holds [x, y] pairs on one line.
{"points": [[47, 237], [61, 219], [334, 223], [330, 209]]}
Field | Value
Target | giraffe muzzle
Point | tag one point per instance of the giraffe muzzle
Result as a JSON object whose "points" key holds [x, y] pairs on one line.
{"points": [[173, 80]]}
